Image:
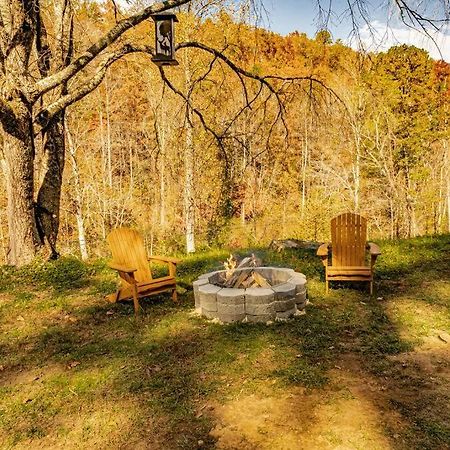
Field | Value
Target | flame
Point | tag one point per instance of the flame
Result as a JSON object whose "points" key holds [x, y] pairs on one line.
{"points": [[230, 266]]}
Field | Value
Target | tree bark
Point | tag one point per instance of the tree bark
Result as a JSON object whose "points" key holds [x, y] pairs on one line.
{"points": [[49, 195], [77, 197], [189, 205], [24, 239]]}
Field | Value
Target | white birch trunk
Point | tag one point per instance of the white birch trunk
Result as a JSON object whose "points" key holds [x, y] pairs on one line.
{"points": [[189, 201], [77, 197], [447, 165], [189, 209], [162, 173], [305, 158]]}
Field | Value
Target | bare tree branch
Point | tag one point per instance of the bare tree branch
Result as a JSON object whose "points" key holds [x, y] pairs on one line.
{"points": [[46, 84], [45, 115]]}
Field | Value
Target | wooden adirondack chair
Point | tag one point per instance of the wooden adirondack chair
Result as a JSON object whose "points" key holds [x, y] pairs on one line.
{"points": [[348, 251], [131, 262]]}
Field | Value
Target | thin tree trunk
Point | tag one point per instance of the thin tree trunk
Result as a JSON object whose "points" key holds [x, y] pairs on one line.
{"points": [[447, 171], [189, 202], [356, 126], [305, 157], [189, 205], [161, 140], [77, 198], [102, 199], [357, 176], [108, 135]]}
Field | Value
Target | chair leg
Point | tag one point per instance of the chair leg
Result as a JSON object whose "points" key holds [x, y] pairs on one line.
{"points": [[326, 286], [174, 295], [135, 300], [371, 287]]}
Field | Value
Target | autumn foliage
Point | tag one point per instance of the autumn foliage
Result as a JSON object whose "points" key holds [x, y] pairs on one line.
{"points": [[367, 133]]}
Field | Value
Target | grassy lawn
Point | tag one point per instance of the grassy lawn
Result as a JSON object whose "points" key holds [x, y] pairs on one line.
{"points": [[353, 373]]}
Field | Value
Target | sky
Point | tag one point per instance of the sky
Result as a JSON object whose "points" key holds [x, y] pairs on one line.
{"points": [[383, 30]]}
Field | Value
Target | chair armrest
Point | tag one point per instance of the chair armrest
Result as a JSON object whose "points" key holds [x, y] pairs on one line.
{"points": [[323, 252], [126, 273], [373, 249], [164, 259], [121, 268], [323, 249], [171, 262]]}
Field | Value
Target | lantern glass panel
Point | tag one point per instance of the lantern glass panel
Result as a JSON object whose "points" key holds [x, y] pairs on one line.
{"points": [[164, 39]]}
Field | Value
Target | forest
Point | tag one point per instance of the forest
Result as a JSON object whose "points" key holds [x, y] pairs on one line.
{"points": [[267, 141]]}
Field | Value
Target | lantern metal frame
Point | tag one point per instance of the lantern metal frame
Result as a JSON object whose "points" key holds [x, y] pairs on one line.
{"points": [[165, 39]]}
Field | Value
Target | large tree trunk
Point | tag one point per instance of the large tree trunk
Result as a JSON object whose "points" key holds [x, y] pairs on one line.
{"points": [[23, 234], [49, 196]]}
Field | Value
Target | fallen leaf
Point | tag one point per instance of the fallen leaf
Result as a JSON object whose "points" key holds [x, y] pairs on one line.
{"points": [[20, 319], [73, 364], [153, 369]]}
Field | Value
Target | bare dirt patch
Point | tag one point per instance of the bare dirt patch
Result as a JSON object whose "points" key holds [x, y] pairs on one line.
{"points": [[349, 414]]}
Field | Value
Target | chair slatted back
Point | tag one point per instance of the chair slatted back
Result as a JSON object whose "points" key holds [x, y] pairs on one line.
{"points": [[127, 248], [348, 240]]}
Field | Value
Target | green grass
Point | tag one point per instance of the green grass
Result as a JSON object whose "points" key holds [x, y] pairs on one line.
{"points": [[76, 371]]}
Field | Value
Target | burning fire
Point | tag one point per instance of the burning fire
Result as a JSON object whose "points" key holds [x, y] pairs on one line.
{"points": [[243, 278]]}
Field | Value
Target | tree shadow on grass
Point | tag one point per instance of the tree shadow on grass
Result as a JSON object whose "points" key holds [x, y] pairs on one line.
{"points": [[173, 364]]}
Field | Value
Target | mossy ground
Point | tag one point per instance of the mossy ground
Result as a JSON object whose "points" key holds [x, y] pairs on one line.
{"points": [[354, 372]]}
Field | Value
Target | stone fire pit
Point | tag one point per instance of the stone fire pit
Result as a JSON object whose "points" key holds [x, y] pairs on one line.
{"points": [[285, 297]]}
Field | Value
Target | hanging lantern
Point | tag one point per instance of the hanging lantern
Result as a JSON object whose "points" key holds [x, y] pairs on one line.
{"points": [[165, 39]]}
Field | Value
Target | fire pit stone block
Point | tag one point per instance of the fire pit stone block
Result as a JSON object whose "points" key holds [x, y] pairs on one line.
{"points": [[284, 305], [231, 296], [259, 310], [300, 300], [230, 318], [196, 284], [208, 275], [258, 296], [208, 296], [223, 308], [284, 291], [299, 283]]}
